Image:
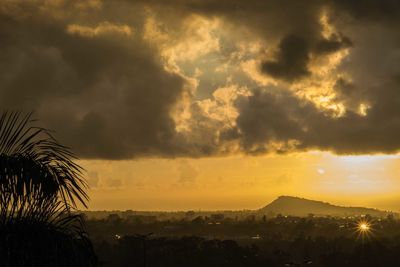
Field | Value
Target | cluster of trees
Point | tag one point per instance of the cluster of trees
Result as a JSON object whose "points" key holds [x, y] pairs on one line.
{"points": [[135, 250], [285, 227], [279, 241]]}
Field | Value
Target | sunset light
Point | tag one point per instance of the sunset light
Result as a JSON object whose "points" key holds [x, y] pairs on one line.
{"points": [[363, 227], [238, 133]]}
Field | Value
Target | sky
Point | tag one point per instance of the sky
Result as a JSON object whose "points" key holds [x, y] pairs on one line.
{"points": [[205, 104]]}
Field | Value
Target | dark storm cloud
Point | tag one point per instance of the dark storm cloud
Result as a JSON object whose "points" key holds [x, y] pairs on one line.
{"points": [[369, 10], [266, 119], [335, 43], [369, 27], [90, 76], [294, 52], [106, 96], [295, 24], [292, 59], [349, 94]]}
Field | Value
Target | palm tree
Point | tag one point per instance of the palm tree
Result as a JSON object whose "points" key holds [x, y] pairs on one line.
{"points": [[40, 187]]}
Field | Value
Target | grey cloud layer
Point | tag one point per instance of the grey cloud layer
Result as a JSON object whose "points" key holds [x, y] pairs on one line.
{"points": [[265, 117], [294, 55], [369, 27], [106, 96], [109, 96]]}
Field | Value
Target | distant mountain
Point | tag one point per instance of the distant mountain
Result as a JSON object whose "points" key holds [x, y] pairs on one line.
{"points": [[295, 206]]}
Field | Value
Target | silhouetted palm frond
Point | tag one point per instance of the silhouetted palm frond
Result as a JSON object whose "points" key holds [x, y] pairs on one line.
{"points": [[39, 186], [34, 168]]}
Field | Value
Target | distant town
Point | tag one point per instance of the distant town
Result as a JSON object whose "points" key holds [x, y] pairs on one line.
{"points": [[286, 215], [256, 237]]}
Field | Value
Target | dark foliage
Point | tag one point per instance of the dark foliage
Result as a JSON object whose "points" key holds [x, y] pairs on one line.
{"points": [[196, 251], [40, 186], [274, 241], [27, 242]]}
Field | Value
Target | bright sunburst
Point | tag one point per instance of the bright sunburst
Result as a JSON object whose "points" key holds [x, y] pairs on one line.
{"points": [[364, 229]]}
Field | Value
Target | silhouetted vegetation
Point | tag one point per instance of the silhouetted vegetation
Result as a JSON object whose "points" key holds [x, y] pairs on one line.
{"points": [[250, 241], [196, 251], [39, 188]]}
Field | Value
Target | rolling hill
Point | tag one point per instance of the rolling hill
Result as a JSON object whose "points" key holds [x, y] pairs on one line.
{"points": [[295, 206]]}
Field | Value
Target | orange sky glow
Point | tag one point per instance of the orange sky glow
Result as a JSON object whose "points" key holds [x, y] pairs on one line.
{"points": [[243, 182]]}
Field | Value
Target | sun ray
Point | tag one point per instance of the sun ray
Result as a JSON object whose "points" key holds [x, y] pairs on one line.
{"points": [[364, 229]]}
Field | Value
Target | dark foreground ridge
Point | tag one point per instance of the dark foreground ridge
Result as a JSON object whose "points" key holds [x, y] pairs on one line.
{"points": [[295, 206]]}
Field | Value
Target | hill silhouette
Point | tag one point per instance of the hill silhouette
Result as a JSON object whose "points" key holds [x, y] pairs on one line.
{"points": [[295, 206]]}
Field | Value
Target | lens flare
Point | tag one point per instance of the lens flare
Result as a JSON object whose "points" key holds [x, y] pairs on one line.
{"points": [[363, 229]]}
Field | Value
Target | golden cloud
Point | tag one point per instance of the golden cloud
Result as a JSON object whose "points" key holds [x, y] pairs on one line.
{"points": [[103, 28]]}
